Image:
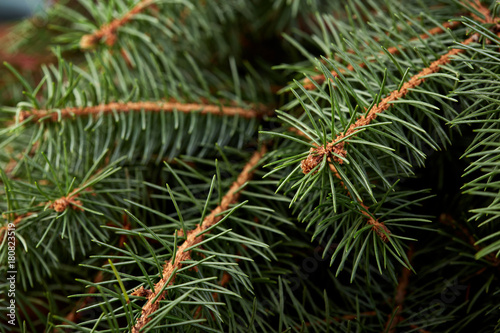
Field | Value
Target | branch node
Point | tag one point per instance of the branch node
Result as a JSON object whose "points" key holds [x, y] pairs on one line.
{"points": [[60, 205], [316, 155]]}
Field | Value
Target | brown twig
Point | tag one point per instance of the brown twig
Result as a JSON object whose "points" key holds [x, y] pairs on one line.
{"points": [[154, 297], [320, 78], [108, 31], [156, 106]]}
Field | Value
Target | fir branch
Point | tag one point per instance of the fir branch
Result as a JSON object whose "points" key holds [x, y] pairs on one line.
{"points": [[59, 205], [170, 267], [379, 227], [108, 31], [335, 147], [320, 78], [148, 106]]}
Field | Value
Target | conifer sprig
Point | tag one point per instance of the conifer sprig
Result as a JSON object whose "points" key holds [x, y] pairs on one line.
{"points": [[331, 247], [194, 237], [382, 231], [393, 50], [108, 31], [335, 149], [320, 78], [324, 154]]}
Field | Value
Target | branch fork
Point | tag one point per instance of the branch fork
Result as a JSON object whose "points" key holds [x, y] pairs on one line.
{"points": [[61, 204]]}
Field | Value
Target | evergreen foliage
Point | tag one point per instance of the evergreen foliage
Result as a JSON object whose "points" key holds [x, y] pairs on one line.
{"points": [[252, 166]]}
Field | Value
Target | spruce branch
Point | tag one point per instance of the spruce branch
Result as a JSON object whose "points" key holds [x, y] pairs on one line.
{"points": [[476, 4], [258, 270], [148, 106], [320, 78], [64, 202], [58, 205], [336, 147], [192, 238], [379, 227], [108, 31]]}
